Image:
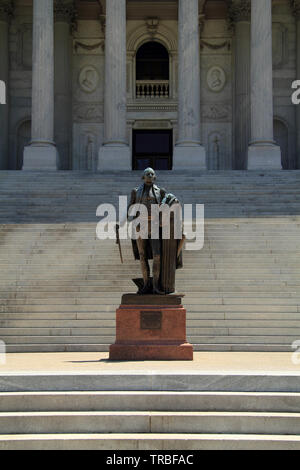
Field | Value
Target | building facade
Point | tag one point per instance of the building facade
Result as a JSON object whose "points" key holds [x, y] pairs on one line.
{"points": [[176, 84]]}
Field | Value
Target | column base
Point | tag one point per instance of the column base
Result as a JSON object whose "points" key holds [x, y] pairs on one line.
{"points": [[114, 157], [191, 157], [40, 157], [264, 157]]}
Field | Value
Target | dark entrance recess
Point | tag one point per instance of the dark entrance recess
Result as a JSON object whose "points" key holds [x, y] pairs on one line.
{"points": [[152, 148]]}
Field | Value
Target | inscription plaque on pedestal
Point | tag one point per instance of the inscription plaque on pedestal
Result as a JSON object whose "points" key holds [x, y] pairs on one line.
{"points": [[151, 320]]}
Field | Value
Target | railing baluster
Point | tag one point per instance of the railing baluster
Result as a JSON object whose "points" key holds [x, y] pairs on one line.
{"points": [[152, 89]]}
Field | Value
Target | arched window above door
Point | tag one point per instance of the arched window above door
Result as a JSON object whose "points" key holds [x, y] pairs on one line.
{"points": [[152, 71]]}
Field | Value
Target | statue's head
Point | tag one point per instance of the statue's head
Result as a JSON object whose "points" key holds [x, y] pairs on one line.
{"points": [[149, 176]]}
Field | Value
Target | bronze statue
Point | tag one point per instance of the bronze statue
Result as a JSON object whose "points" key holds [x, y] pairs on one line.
{"points": [[166, 253]]}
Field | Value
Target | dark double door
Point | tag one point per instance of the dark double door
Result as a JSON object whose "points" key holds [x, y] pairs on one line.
{"points": [[152, 149]]}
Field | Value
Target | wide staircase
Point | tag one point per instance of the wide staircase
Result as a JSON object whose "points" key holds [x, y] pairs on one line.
{"points": [[60, 285], [149, 411]]}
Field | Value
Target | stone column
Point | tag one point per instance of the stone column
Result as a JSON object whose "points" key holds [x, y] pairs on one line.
{"points": [[115, 152], [64, 12], [6, 10], [188, 152], [263, 153], [240, 13], [41, 154], [296, 10]]}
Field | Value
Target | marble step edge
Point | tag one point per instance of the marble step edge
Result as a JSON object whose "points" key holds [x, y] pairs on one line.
{"points": [[181, 380], [220, 339], [207, 347], [192, 331], [153, 442], [149, 401]]}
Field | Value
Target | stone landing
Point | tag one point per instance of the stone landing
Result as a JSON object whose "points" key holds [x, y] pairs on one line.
{"points": [[151, 327]]}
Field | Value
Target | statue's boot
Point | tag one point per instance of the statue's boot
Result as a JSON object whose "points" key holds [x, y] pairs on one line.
{"points": [[156, 276], [147, 289]]}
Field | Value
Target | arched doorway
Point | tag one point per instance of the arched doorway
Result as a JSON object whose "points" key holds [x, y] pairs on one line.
{"points": [[281, 137], [152, 71], [23, 139]]}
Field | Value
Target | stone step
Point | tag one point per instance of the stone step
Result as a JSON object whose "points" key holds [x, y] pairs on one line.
{"points": [[63, 331], [216, 337], [192, 331], [193, 317], [154, 401], [47, 296], [224, 347], [65, 347], [103, 339], [111, 296], [122, 380], [179, 422], [242, 347], [247, 339], [148, 442], [8, 326], [205, 308]]}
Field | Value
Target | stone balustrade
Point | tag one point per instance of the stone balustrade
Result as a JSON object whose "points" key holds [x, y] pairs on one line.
{"points": [[152, 89]]}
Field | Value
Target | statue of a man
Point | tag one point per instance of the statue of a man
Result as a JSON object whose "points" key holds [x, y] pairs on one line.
{"points": [[166, 253]]}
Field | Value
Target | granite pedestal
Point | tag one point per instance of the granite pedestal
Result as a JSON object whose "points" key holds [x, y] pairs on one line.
{"points": [[151, 327]]}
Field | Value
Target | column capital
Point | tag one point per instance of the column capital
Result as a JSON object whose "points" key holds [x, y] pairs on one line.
{"points": [[65, 11], [6, 10], [295, 6], [201, 23], [239, 10], [102, 20]]}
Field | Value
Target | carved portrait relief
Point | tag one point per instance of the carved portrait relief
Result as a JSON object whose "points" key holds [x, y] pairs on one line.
{"points": [[216, 79], [88, 79]]}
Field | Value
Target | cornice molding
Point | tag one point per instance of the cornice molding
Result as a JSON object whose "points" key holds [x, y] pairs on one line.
{"points": [[239, 10], [295, 6], [65, 11], [6, 10]]}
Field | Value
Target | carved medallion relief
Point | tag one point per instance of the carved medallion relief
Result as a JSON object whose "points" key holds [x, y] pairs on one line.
{"points": [[88, 79], [216, 79]]}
